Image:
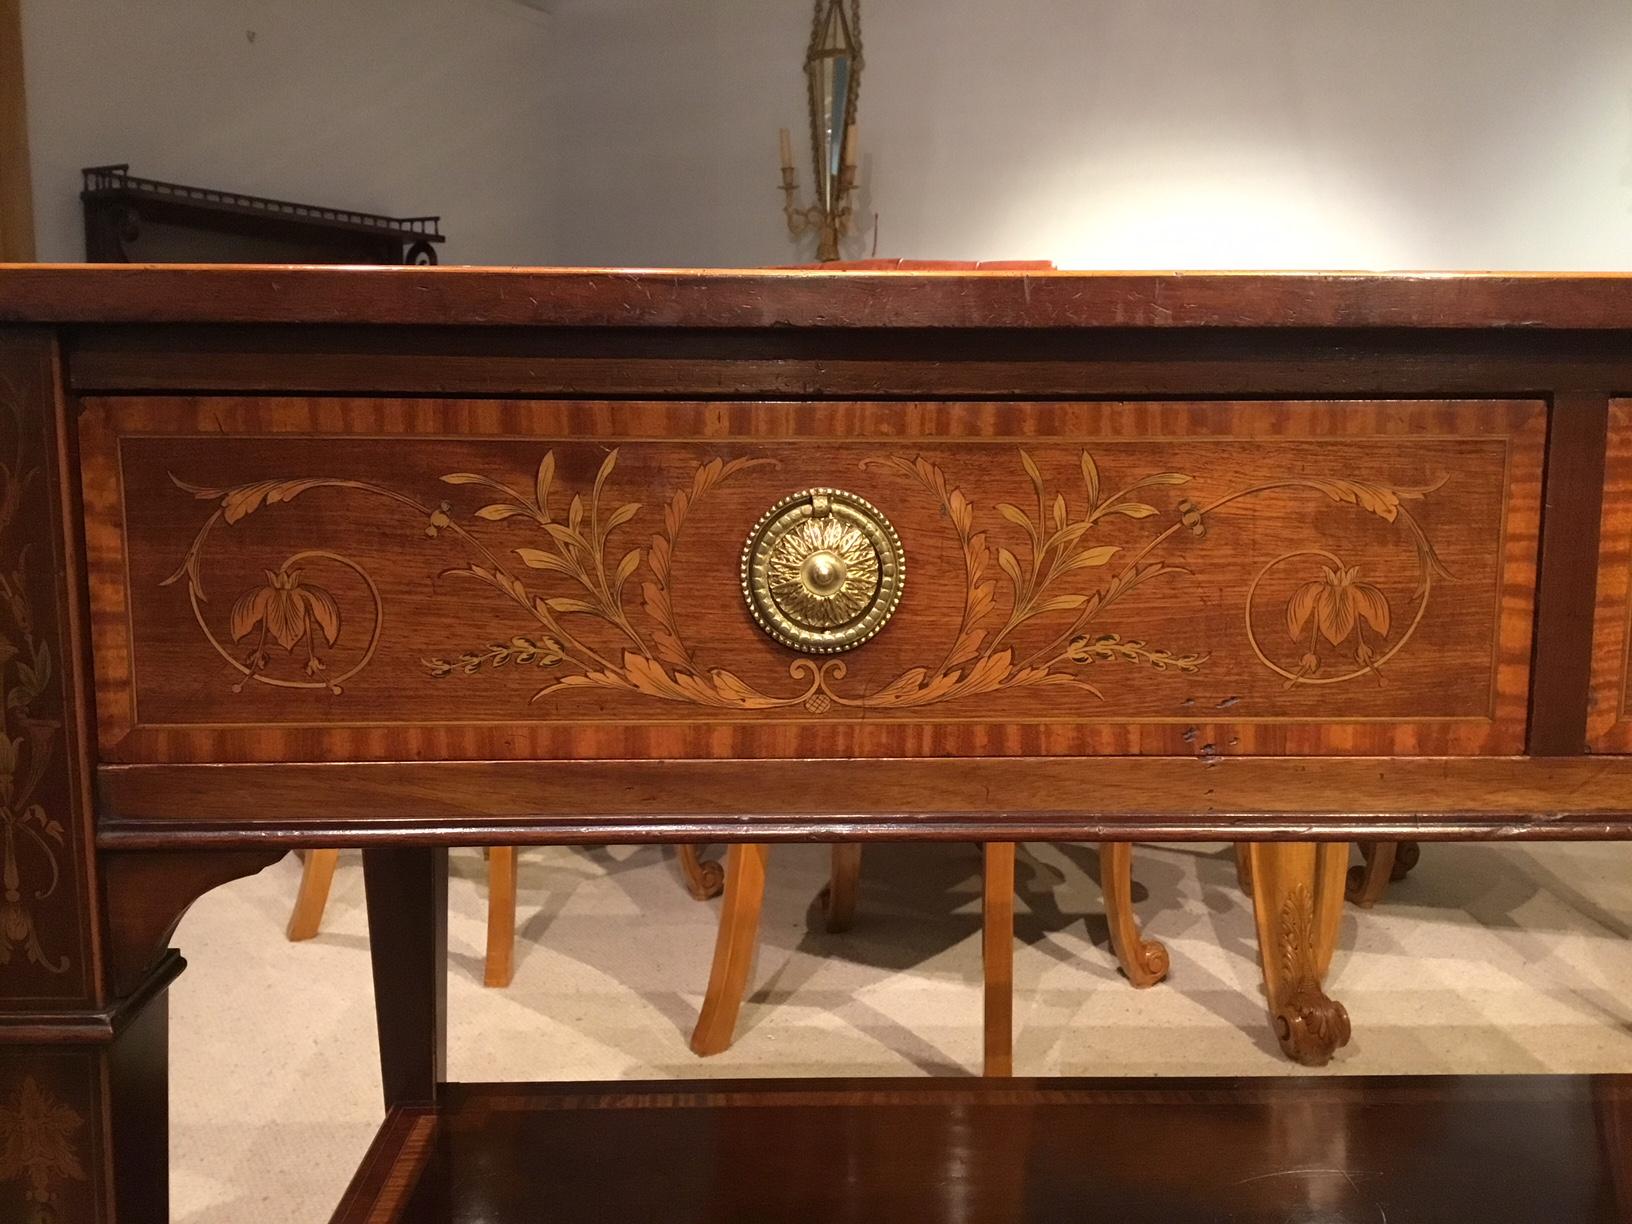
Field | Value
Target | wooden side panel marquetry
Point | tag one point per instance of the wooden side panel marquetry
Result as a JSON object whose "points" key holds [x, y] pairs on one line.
{"points": [[1609, 723], [52, 1157], [48, 951], [354, 579]]}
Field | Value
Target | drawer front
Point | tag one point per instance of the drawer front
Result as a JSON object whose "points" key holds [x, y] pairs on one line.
{"points": [[337, 579], [1609, 723]]}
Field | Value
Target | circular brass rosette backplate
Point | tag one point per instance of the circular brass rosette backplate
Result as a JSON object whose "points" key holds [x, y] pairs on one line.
{"points": [[822, 571]]}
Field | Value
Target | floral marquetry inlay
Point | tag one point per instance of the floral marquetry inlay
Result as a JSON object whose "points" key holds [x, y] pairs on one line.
{"points": [[32, 862], [1038, 602], [39, 1145]]}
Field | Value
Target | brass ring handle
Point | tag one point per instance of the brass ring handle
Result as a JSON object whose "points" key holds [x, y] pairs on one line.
{"points": [[822, 571]]}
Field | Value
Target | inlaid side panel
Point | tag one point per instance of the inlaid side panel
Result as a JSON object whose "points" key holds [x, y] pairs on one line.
{"points": [[53, 1158], [47, 948], [371, 579], [1609, 726]]}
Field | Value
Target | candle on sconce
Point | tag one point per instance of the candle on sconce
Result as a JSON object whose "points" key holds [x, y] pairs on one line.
{"points": [[851, 138], [787, 149]]}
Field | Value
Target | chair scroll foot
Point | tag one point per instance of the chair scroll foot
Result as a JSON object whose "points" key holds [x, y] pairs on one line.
{"points": [[1145, 961], [1408, 854], [1367, 883], [705, 878]]}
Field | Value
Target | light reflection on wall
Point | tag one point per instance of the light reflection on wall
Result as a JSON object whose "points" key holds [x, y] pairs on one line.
{"points": [[1179, 221], [1116, 133]]}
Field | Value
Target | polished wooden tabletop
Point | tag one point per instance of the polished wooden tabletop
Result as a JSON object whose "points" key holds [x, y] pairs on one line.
{"points": [[845, 301]]}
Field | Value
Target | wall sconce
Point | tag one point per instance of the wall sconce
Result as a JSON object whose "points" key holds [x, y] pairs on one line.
{"points": [[833, 68]]}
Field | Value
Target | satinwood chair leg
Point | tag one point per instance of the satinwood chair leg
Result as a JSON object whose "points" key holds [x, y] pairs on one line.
{"points": [[315, 878], [1297, 899], [734, 947], [1243, 866], [1407, 854], [1367, 883], [1145, 961], [839, 897], [997, 958], [704, 877], [501, 916], [1385, 863]]}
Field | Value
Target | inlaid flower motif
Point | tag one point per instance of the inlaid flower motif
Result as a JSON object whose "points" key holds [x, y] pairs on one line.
{"points": [[1337, 606], [285, 610], [17, 929], [30, 838], [14, 599], [16, 923], [36, 1140], [570, 587], [439, 521]]}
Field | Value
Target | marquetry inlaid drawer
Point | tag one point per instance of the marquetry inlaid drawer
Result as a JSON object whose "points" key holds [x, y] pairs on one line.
{"points": [[393, 579], [1609, 725]]}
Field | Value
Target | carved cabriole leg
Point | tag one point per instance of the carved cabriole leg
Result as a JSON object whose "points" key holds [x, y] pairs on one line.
{"points": [[1143, 960], [997, 958], [1297, 899], [500, 966], [1331, 874], [734, 947], [844, 882], [704, 878], [316, 876]]}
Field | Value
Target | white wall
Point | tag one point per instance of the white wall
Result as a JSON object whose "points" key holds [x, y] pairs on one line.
{"points": [[396, 106], [1117, 133], [1097, 133], [667, 113]]}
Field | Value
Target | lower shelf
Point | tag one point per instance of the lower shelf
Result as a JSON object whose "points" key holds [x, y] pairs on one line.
{"points": [[1333, 1150]]}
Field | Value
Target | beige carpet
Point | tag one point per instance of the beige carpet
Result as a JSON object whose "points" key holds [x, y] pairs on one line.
{"points": [[1488, 959]]}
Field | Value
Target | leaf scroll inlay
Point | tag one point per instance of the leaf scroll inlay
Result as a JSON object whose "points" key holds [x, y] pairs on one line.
{"points": [[1060, 582], [38, 1145], [31, 839]]}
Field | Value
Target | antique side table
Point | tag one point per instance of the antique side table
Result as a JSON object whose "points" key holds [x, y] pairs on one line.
{"points": [[412, 558]]}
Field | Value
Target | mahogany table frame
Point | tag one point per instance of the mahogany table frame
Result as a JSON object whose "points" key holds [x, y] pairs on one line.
{"points": [[143, 841]]}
